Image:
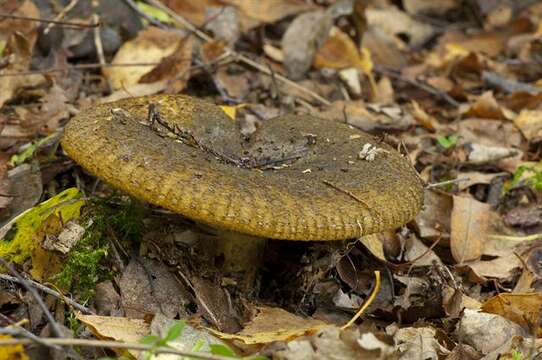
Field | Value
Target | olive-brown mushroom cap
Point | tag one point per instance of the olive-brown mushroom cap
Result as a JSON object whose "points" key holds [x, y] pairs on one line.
{"points": [[296, 177]]}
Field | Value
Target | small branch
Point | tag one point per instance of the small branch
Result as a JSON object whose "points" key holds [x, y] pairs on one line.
{"points": [[447, 182], [54, 325], [532, 237], [425, 87], [48, 291], [114, 345], [60, 16], [240, 57], [61, 23], [77, 67]]}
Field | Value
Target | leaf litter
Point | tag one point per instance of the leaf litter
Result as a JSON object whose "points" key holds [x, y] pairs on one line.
{"points": [[455, 87]]}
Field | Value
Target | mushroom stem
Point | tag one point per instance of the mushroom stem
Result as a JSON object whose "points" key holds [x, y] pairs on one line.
{"points": [[237, 253]]}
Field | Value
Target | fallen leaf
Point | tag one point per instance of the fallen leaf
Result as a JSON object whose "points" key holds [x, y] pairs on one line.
{"points": [[530, 124], [302, 39], [486, 107], [402, 23], [175, 67], [19, 52], [19, 234], [12, 352], [418, 343], [147, 287], [274, 324], [151, 45], [433, 221], [116, 328], [486, 332], [523, 309], [469, 224]]}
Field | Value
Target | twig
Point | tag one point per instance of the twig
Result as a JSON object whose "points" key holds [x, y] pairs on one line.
{"points": [[114, 345], [240, 57], [14, 329], [60, 16], [367, 302], [48, 291], [532, 237], [99, 48], [199, 298], [78, 66], [330, 184], [425, 87], [61, 23], [447, 182], [54, 325]]}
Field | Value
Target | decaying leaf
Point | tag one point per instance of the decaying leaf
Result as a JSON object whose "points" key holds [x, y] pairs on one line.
{"points": [[523, 309], [274, 324], [486, 332], [151, 46], [22, 235], [469, 226]]}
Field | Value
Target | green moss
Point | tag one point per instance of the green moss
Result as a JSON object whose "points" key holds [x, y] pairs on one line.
{"points": [[87, 262], [527, 175]]}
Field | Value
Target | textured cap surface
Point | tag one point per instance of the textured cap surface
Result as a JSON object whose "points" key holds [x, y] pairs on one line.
{"points": [[296, 177]]}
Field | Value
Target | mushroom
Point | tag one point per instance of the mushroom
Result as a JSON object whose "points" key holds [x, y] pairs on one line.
{"points": [[297, 177]]}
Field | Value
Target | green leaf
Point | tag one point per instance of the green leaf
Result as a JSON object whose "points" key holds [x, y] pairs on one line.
{"points": [[447, 142], [175, 331], [149, 339], [219, 349], [154, 12]]}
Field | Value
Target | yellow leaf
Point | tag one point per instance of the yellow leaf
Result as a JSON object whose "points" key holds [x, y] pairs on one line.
{"points": [[365, 61], [19, 240], [523, 309], [116, 328], [454, 51], [274, 324], [12, 352], [231, 111]]}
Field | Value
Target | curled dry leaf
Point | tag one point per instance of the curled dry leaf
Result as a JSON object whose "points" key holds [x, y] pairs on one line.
{"points": [[302, 39], [486, 332], [469, 224], [530, 124], [402, 23], [418, 343], [274, 324], [523, 309], [150, 46]]}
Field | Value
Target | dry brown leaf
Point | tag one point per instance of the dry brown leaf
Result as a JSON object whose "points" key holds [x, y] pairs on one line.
{"points": [[486, 107], [530, 124], [523, 309], [302, 40], [434, 220], [486, 332], [469, 224], [150, 46], [268, 11], [116, 328], [19, 52], [394, 22], [26, 28], [274, 324], [192, 10], [418, 343], [338, 52], [427, 121], [175, 67]]}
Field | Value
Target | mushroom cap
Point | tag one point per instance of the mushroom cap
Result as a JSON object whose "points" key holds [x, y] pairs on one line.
{"points": [[295, 178]]}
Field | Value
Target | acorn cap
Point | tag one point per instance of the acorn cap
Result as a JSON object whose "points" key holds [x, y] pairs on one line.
{"points": [[295, 178]]}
